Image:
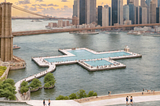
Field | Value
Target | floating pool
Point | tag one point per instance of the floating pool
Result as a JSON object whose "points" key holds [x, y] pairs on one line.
{"points": [[98, 63], [84, 54]]}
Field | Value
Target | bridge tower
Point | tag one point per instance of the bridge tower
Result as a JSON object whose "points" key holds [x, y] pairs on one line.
{"points": [[6, 38]]}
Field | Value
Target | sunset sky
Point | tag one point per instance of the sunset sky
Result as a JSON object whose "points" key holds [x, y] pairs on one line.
{"points": [[57, 8]]}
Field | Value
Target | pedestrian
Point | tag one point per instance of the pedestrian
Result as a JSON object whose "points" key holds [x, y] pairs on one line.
{"points": [[143, 89], [44, 102], [49, 102], [131, 100], [127, 100]]}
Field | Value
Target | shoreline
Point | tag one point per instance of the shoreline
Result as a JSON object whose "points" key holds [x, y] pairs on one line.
{"points": [[115, 96]]}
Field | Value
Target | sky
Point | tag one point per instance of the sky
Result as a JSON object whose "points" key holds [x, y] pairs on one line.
{"points": [[55, 8]]}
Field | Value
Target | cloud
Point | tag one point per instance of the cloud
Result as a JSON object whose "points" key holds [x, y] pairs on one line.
{"points": [[24, 2], [43, 4], [33, 8], [60, 12], [64, 0], [55, 5], [39, 0], [25, 7]]}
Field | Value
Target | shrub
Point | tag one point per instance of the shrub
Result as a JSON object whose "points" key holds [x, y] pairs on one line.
{"points": [[7, 89], [24, 89], [81, 93], [2, 70], [61, 97], [73, 96], [47, 85], [24, 83], [91, 93], [10, 81], [35, 83]]}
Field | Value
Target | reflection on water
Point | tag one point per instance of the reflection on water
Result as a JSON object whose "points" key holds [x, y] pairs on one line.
{"points": [[140, 72]]}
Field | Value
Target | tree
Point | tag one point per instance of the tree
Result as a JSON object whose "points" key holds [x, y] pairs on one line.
{"points": [[81, 93], [61, 97], [35, 83], [7, 89], [24, 83], [10, 81], [49, 80], [24, 89], [92, 93], [73, 96], [47, 85], [49, 77]]}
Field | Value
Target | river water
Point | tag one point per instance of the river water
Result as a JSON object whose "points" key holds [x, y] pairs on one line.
{"points": [[140, 72]]}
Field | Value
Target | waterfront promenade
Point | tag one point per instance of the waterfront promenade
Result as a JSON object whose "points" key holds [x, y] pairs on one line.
{"points": [[106, 100]]}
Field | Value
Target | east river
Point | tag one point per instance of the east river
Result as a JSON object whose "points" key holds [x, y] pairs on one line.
{"points": [[140, 72]]}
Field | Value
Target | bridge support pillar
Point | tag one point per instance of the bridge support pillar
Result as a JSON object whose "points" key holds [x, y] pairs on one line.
{"points": [[6, 38]]}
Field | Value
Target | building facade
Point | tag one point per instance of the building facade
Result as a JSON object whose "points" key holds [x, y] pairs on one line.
{"points": [[152, 12], [158, 15], [143, 15], [117, 12], [148, 10], [82, 9], [105, 16], [100, 15], [126, 12], [132, 10]]}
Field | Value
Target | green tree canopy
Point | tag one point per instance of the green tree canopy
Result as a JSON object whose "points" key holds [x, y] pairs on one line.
{"points": [[73, 96], [91, 93], [7, 89], [61, 97], [35, 83], [49, 77], [24, 89], [10, 81], [81, 93], [24, 83]]}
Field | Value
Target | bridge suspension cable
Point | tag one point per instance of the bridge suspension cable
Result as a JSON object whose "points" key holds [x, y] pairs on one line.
{"points": [[27, 11]]}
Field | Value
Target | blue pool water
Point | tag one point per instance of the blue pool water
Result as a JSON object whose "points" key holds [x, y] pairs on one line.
{"points": [[98, 63], [84, 54]]}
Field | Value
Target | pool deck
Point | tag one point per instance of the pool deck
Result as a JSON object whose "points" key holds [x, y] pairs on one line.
{"points": [[43, 63]]}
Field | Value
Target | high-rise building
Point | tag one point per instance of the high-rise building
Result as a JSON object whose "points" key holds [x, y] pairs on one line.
{"points": [[126, 12], [76, 8], [148, 10], [75, 20], [132, 11], [158, 15], [152, 12], [135, 2], [143, 15], [155, 2], [158, 3], [143, 3], [100, 15], [92, 11], [82, 13], [128, 1], [105, 16], [87, 11], [117, 12]]}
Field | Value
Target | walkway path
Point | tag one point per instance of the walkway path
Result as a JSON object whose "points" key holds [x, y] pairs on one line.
{"points": [[17, 85]]}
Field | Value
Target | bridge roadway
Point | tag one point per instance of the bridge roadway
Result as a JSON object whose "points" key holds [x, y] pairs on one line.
{"points": [[36, 32]]}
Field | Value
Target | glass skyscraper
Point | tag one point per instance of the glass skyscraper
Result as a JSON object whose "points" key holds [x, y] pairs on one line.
{"points": [[100, 15], [82, 12], [132, 11]]}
